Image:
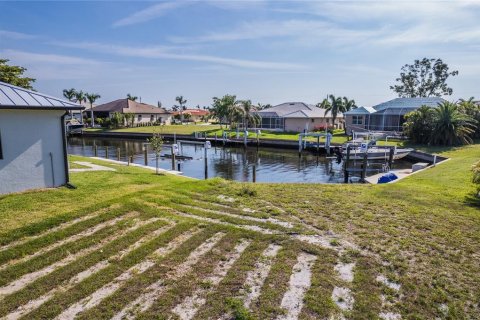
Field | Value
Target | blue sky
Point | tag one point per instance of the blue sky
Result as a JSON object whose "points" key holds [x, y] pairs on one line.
{"points": [[266, 51]]}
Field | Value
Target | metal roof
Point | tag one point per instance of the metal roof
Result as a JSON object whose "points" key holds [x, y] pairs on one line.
{"points": [[13, 97], [361, 110], [409, 103]]}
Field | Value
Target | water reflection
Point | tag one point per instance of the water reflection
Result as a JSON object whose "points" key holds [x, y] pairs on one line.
{"points": [[233, 163]]}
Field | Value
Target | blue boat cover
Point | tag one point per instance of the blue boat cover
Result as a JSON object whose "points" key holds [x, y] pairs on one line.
{"points": [[387, 177]]}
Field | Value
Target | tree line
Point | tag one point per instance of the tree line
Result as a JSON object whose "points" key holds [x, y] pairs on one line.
{"points": [[450, 123]]}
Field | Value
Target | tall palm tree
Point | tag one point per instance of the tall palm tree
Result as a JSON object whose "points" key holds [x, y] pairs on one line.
{"points": [[452, 126], [132, 98], [181, 106], [92, 97], [333, 105], [70, 95], [80, 98]]}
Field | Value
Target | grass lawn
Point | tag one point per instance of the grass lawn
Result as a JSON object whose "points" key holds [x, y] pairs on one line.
{"points": [[133, 243], [338, 137], [165, 129]]}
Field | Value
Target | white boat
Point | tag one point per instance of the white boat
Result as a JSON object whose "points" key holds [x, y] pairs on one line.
{"points": [[376, 153], [367, 141]]}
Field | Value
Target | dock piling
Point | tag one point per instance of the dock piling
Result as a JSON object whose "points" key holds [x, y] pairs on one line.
{"points": [[106, 152], [173, 159], [95, 150], [118, 154]]}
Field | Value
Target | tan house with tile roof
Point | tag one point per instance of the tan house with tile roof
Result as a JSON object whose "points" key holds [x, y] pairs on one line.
{"points": [[144, 113]]}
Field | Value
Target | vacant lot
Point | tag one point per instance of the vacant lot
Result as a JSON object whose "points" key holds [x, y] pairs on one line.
{"points": [[129, 244]]}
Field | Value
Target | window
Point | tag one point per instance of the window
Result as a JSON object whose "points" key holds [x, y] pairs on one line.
{"points": [[1, 150], [357, 119], [139, 118], [152, 118], [313, 120]]}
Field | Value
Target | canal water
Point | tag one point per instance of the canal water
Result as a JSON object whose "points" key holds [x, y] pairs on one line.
{"points": [[232, 163]]}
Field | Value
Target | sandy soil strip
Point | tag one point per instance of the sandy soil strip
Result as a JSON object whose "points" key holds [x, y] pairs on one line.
{"points": [[59, 227], [215, 221], [343, 298], [248, 218], [389, 316], [34, 304], [300, 281], [146, 300], [70, 239], [189, 307], [256, 277], [108, 289], [326, 241], [345, 271], [28, 278], [394, 286]]}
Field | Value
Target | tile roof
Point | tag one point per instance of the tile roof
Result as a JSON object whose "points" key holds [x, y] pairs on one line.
{"points": [[16, 97], [295, 110], [195, 112], [126, 105]]}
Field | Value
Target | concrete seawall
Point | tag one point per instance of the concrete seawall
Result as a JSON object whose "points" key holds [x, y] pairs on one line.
{"points": [[414, 156]]}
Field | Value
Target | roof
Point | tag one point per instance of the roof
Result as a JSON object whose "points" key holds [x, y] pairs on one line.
{"points": [[409, 103], [125, 106], [195, 112], [13, 97], [361, 110], [294, 110]]}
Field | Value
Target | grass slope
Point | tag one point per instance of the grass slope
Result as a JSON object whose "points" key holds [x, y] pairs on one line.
{"points": [[422, 232]]}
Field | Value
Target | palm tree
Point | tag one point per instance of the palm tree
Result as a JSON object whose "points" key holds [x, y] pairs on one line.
{"points": [[224, 109], [181, 106], [348, 104], [452, 126], [92, 97], [130, 97], [334, 106], [419, 124], [248, 115], [70, 95], [80, 98]]}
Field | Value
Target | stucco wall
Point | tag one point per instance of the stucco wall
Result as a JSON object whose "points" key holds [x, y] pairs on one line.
{"points": [[28, 137], [299, 124], [350, 126]]}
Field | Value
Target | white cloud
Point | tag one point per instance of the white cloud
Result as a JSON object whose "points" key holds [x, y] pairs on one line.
{"points": [[163, 52], [15, 35], [149, 13], [387, 24], [54, 66], [48, 58]]}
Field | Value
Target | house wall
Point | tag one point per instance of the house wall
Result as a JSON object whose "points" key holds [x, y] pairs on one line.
{"points": [[146, 117], [27, 138], [350, 126], [299, 124]]}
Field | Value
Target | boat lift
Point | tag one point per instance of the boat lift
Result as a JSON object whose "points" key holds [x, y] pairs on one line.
{"points": [[302, 141]]}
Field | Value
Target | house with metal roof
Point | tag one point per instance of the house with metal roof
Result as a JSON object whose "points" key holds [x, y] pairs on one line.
{"points": [[33, 144], [144, 113], [297, 117], [386, 116]]}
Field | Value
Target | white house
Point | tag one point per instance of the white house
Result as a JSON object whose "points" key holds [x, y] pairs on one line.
{"points": [[33, 149]]}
